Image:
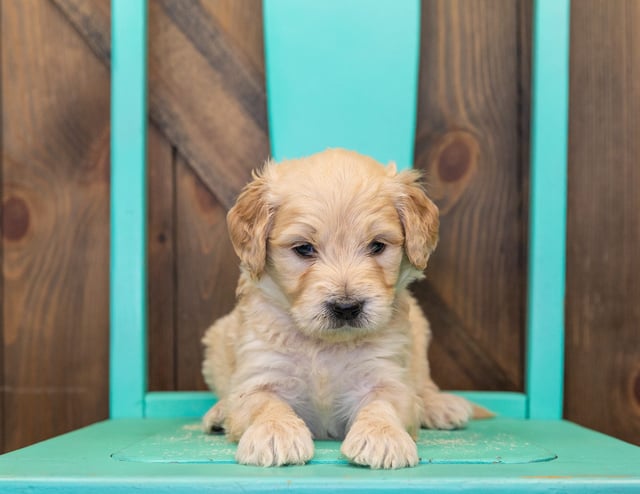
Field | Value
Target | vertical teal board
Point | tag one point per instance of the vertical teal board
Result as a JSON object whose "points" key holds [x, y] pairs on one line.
{"points": [[128, 370], [342, 74], [549, 133]]}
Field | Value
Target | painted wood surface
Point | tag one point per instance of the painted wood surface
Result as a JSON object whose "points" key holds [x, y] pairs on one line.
{"points": [[208, 129], [128, 302], [483, 442], [586, 462]]}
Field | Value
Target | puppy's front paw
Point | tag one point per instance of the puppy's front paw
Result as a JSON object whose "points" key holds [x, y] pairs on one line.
{"points": [[445, 411], [380, 445], [275, 443]]}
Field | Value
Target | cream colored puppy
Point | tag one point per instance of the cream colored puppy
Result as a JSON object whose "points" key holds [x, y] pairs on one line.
{"points": [[326, 341]]}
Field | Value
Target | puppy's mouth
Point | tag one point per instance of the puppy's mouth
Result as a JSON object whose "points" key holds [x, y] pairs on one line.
{"points": [[344, 314], [342, 319]]}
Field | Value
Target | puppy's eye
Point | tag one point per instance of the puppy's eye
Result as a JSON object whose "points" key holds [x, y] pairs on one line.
{"points": [[376, 248], [305, 250]]}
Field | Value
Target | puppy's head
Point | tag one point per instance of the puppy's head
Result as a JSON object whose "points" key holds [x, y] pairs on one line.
{"points": [[332, 239]]}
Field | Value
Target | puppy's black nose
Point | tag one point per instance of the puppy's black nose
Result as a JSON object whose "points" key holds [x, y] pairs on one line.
{"points": [[346, 311]]}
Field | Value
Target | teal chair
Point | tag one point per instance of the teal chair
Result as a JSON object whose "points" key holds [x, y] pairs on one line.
{"points": [[152, 442]]}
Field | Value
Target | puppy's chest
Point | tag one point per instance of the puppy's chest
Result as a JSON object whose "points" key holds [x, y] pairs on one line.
{"points": [[333, 384], [331, 371], [324, 384]]}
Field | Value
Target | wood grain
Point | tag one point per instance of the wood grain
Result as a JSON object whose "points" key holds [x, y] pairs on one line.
{"points": [[195, 49], [220, 134], [468, 142], [237, 77], [161, 248], [55, 234], [209, 129], [202, 45], [603, 286], [214, 132], [2, 229], [207, 272], [454, 355], [241, 25]]}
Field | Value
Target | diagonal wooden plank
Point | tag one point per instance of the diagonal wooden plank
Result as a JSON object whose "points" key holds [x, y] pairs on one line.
{"points": [[88, 19], [229, 15], [200, 104], [238, 76], [455, 351]]}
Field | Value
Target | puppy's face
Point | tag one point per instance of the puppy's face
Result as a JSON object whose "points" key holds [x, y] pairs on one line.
{"points": [[332, 238]]}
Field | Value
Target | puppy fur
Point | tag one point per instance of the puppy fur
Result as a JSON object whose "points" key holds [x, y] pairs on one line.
{"points": [[326, 341]]}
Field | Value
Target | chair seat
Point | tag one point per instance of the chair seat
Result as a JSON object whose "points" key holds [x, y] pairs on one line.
{"points": [[172, 455]]}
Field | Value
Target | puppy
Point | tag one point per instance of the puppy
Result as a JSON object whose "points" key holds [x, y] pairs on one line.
{"points": [[326, 341]]}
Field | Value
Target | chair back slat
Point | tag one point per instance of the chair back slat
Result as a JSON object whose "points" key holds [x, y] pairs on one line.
{"points": [[342, 74], [128, 290], [548, 207]]}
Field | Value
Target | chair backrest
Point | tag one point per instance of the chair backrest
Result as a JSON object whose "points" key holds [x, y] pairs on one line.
{"points": [[342, 74]]}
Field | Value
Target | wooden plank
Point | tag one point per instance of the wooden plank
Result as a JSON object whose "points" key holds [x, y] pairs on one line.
{"points": [[222, 135], [230, 16], [55, 239], [456, 358], [603, 288], [3, 228], [236, 76], [469, 142], [161, 246], [214, 132], [207, 272], [524, 50]]}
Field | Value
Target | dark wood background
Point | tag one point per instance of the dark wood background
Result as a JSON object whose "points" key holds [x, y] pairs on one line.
{"points": [[207, 131]]}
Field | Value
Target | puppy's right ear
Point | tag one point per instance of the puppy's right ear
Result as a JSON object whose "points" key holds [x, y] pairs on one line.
{"points": [[249, 222], [419, 217]]}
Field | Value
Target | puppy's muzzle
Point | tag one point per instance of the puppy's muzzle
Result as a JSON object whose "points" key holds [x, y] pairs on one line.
{"points": [[345, 310]]}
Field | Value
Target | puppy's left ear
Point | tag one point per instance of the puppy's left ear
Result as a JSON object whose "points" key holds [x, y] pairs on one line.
{"points": [[419, 217], [249, 222]]}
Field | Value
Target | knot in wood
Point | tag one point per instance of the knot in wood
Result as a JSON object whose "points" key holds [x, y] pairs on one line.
{"points": [[15, 218], [456, 157]]}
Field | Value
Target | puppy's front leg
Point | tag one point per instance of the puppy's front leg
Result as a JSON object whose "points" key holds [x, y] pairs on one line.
{"points": [[268, 431], [379, 439]]}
